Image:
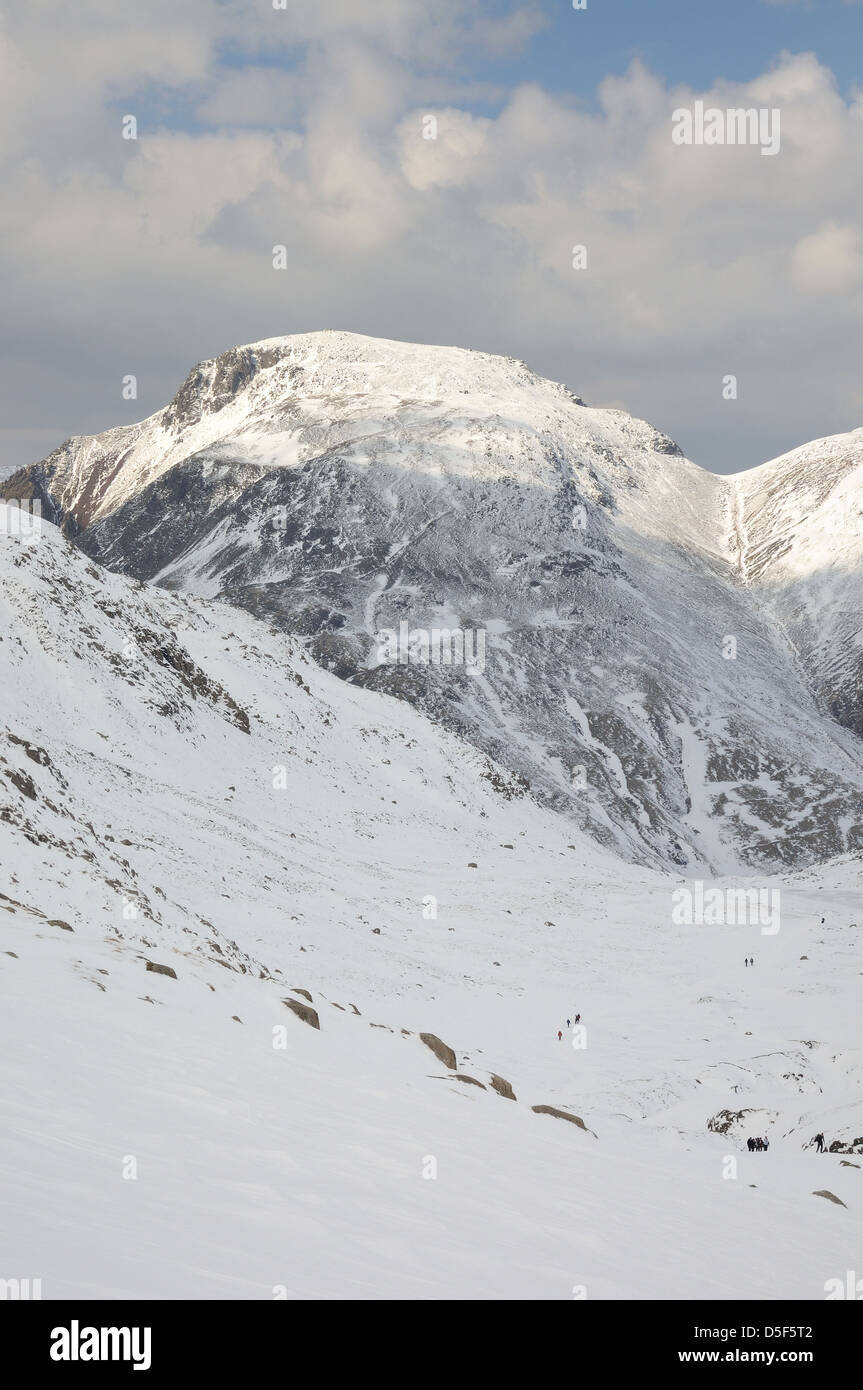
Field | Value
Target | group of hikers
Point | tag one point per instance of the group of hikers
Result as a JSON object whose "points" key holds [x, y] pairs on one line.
{"points": [[750, 960], [758, 1145]]}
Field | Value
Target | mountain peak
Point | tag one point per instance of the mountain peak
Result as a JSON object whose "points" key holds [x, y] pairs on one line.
{"points": [[643, 674]]}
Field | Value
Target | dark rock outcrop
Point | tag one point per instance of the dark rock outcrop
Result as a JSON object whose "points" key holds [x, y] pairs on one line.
{"points": [[303, 1011], [724, 1120]]}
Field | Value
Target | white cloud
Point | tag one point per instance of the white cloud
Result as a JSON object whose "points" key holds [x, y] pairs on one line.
{"points": [[829, 261], [447, 152], [143, 256]]}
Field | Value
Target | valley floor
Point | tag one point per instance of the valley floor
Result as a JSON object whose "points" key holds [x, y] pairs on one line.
{"points": [[192, 1138]]}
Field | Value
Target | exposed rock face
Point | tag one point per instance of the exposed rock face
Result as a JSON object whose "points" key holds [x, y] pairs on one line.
{"points": [[838, 1146], [725, 1120], [561, 1115], [470, 1080], [161, 969], [341, 486], [441, 1051], [303, 1011], [502, 1087], [831, 1197], [304, 993]]}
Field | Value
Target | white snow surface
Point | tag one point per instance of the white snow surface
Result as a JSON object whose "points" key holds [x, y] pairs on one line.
{"points": [[136, 809]]}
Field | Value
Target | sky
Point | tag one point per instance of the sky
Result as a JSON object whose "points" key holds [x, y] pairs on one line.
{"points": [[429, 170]]}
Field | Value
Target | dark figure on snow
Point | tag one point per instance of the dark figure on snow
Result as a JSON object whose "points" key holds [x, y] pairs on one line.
{"points": [[578, 1018], [819, 1140], [746, 961], [766, 1144], [559, 1035], [750, 1144]]}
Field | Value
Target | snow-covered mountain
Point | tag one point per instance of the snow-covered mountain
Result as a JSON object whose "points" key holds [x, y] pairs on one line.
{"points": [[182, 787], [665, 661], [799, 543]]}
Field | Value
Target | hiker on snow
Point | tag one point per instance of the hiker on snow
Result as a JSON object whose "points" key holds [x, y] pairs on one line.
{"points": [[819, 1140], [559, 1035]]}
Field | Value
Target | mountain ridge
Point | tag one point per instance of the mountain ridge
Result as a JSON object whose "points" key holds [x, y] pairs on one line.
{"points": [[645, 675]]}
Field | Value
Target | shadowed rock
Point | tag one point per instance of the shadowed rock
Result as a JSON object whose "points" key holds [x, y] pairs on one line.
{"points": [[303, 992], [502, 1086], [471, 1080], [303, 1011], [161, 969], [831, 1197]]}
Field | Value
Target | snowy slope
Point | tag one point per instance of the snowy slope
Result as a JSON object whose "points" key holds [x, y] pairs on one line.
{"points": [[139, 735], [635, 680], [299, 1171], [800, 548]]}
